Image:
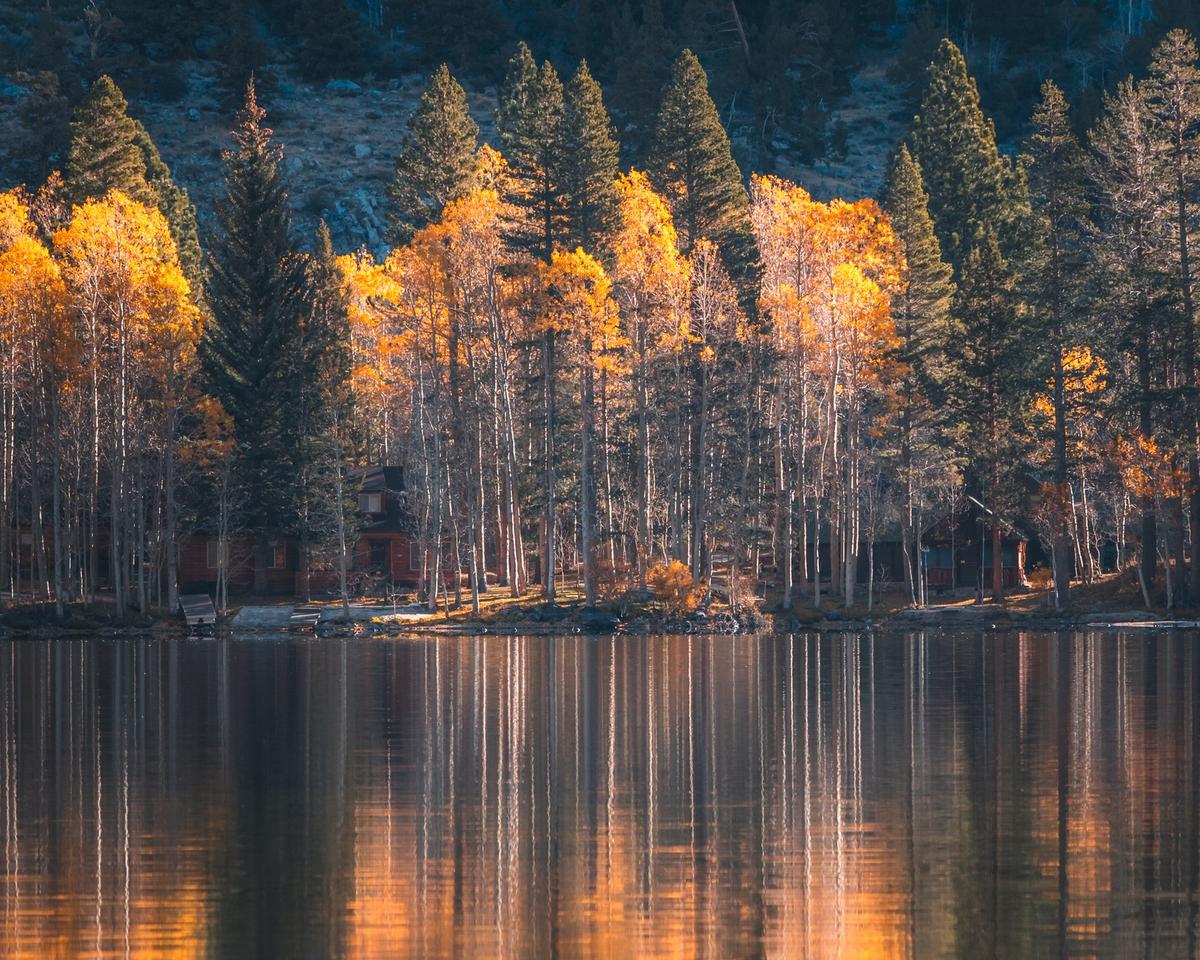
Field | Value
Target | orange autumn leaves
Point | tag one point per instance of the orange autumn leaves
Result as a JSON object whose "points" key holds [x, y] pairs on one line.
{"points": [[105, 294], [829, 272]]}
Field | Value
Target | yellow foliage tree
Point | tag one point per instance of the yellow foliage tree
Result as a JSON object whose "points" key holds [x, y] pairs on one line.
{"points": [[138, 327], [579, 303]]}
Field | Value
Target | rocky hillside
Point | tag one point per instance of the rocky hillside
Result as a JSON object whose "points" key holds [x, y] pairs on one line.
{"points": [[341, 139]]}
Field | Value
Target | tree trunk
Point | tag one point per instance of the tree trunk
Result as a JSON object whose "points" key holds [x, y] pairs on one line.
{"points": [[1062, 492], [587, 490], [548, 511]]}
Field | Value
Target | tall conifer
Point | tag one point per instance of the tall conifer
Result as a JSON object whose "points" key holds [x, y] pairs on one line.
{"points": [[590, 170], [992, 389], [926, 329], [1055, 165], [437, 161], [693, 167], [255, 295], [104, 153], [110, 150], [530, 123], [1128, 252], [969, 183]]}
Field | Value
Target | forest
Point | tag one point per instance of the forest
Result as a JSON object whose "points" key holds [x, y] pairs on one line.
{"points": [[617, 366]]}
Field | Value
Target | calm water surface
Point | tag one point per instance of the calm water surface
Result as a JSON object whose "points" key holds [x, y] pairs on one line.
{"points": [[929, 796]]}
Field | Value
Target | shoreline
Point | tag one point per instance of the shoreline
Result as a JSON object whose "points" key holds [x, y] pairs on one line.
{"points": [[385, 625]]}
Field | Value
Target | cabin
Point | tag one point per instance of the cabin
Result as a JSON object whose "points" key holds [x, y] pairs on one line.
{"points": [[953, 554], [385, 555], [959, 550]]}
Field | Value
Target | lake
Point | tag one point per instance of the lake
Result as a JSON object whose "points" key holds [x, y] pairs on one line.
{"points": [[940, 795]]}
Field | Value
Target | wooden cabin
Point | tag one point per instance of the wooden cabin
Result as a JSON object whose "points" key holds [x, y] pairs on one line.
{"points": [[384, 550]]}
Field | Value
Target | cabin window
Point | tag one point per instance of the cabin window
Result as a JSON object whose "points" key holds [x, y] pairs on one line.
{"points": [[370, 503], [215, 553], [414, 556], [378, 555], [278, 556]]}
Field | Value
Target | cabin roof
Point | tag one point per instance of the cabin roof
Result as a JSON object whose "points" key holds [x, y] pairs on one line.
{"points": [[379, 478]]}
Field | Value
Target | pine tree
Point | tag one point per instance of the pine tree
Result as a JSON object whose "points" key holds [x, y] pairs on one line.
{"points": [[692, 166], [992, 387], [175, 205], [530, 123], [1057, 176], [322, 409], [590, 171], [925, 328], [255, 294], [1172, 92], [969, 183], [112, 151], [437, 160], [104, 153]]}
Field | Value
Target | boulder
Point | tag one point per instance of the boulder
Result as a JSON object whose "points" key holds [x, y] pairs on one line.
{"points": [[343, 88], [362, 151]]}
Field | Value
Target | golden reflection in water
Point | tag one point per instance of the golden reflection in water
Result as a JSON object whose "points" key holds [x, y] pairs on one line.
{"points": [[897, 796]]}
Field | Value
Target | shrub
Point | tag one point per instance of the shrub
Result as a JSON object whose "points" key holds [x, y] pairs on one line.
{"points": [[1040, 578], [672, 584]]}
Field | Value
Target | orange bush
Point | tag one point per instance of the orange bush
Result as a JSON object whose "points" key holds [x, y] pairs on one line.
{"points": [[672, 584]]}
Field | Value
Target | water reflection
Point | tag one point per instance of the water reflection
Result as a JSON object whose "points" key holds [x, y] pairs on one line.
{"points": [[965, 796]]}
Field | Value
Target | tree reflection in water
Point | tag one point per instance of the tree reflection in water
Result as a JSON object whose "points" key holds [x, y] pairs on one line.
{"points": [[929, 796]]}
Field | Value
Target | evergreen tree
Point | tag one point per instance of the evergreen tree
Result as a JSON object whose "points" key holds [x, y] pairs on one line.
{"points": [[255, 294], [175, 205], [437, 160], [992, 386], [1172, 92], [1055, 164], [925, 328], [590, 171], [104, 153], [692, 166], [322, 409], [970, 185], [112, 151], [530, 123]]}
